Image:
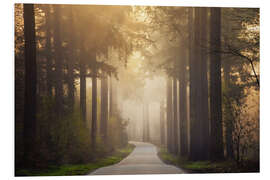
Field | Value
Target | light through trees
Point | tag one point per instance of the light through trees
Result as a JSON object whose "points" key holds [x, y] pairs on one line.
{"points": [[91, 78]]}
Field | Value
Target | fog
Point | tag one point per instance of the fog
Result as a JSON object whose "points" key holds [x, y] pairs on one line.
{"points": [[95, 77], [153, 93]]}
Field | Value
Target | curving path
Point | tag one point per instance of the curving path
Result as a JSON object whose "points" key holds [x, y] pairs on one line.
{"points": [[143, 160]]}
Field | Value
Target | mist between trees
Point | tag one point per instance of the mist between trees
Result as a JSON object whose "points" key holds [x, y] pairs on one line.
{"points": [[89, 78]]}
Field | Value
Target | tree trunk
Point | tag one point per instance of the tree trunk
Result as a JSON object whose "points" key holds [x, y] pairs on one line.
{"points": [[94, 111], [114, 97], [83, 91], [175, 119], [169, 114], [147, 122], [204, 87], [199, 122], [104, 108], [183, 105], [146, 133], [238, 149], [144, 123], [190, 115], [162, 123], [228, 111], [29, 131], [58, 62], [198, 56], [48, 52], [70, 64], [194, 69], [111, 97], [215, 87]]}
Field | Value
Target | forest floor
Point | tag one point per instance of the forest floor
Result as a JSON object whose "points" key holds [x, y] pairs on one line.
{"points": [[79, 169], [207, 166]]}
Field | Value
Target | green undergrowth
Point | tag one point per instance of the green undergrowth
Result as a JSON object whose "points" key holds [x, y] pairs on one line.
{"points": [[227, 166], [79, 169]]}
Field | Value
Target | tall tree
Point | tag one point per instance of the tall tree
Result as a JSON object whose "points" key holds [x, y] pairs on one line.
{"points": [[175, 119], [162, 123], [94, 104], [215, 87], [194, 71], [228, 113], [143, 123], [70, 61], [104, 108], [146, 131], [111, 96], [147, 122], [169, 114], [199, 128], [204, 85], [82, 67], [58, 61], [29, 131], [49, 64], [183, 141], [190, 38]]}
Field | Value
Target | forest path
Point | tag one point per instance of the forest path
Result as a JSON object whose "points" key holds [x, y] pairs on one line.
{"points": [[143, 160]]}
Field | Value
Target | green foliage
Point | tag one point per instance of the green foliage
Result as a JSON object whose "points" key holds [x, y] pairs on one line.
{"points": [[241, 118], [59, 141], [67, 140], [241, 39], [240, 52], [206, 166], [167, 157], [79, 169], [117, 131]]}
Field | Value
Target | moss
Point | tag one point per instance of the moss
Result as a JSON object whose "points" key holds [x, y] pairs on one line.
{"points": [[79, 169]]}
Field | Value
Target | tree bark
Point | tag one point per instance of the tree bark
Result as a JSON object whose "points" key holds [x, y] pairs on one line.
{"points": [[169, 114], [215, 87], [83, 91], [162, 123], [204, 86], [227, 120], [175, 119], [70, 64], [58, 62], [114, 97], [146, 131], [104, 108], [48, 51], [195, 128], [147, 122], [111, 96], [199, 127], [183, 105], [29, 131], [94, 111], [144, 123]]}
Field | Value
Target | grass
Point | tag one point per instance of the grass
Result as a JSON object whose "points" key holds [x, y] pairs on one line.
{"points": [[79, 169], [227, 166]]}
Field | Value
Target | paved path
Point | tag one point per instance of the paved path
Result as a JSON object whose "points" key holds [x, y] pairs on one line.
{"points": [[143, 160]]}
